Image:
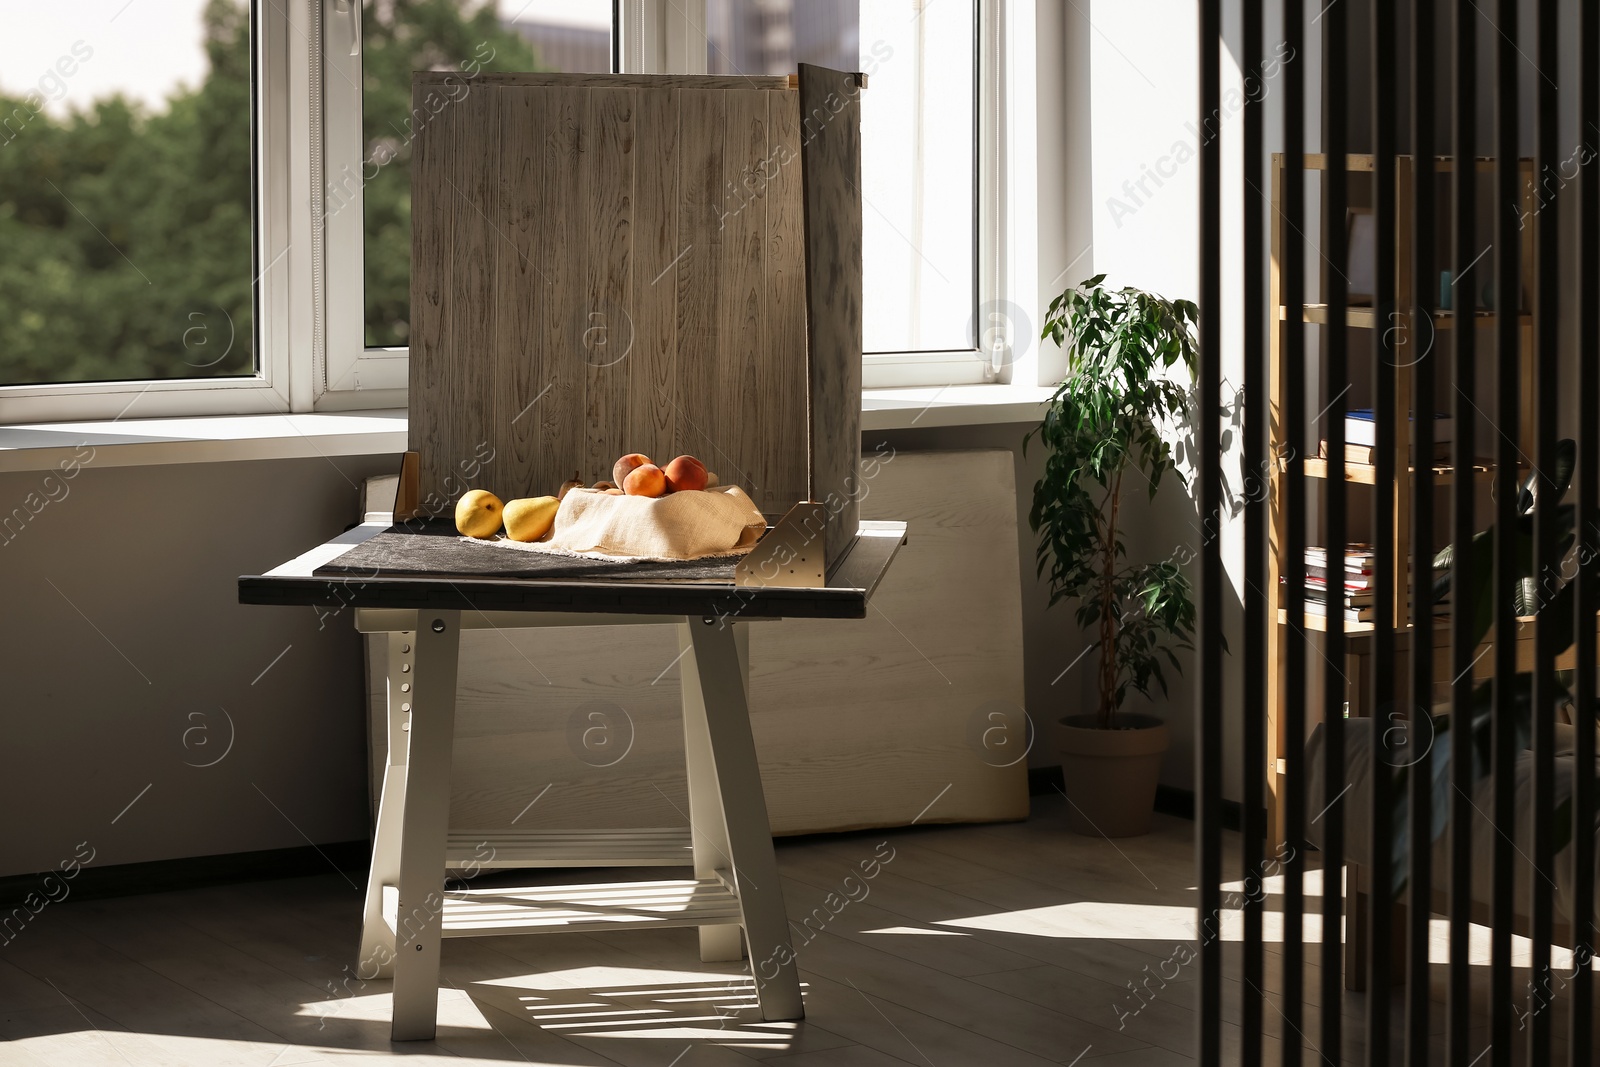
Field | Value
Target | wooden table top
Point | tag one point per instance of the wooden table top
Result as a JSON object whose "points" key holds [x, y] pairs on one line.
{"points": [[850, 583]]}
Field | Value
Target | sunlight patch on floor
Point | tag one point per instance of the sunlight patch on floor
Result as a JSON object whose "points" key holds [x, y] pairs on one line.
{"points": [[1113, 920]]}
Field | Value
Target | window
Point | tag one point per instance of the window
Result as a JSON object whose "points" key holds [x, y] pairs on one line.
{"points": [[227, 231], [918, 145], [370, 126], [127, 195]]}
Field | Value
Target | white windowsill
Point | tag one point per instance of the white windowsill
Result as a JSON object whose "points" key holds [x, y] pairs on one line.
{"points": [[229, 438]]}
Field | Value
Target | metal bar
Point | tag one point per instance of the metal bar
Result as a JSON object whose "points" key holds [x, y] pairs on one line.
{"points": [[1418, 353], [1546, 297], [1507, 423], [1463, 286], [1380, 898], [1257, 384], [1336, 387], [1208, 752], [1293, 364], [1580, 1034]]}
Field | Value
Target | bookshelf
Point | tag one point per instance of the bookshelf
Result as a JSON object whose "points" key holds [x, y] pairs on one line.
{"points": [[1358, 318]]}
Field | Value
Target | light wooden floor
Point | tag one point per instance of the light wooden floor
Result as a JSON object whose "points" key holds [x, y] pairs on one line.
{"points": [[993, 945]]}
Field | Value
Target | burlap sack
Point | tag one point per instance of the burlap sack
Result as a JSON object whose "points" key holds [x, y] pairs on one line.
{"points": [[693, 525]]}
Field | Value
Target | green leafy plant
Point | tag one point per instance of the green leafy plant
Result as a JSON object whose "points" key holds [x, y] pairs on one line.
{"points": [[1103, 424]]}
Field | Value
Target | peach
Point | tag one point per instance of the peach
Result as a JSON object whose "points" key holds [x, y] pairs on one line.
{"points": [[645, 480], [627, 465], [685, 473]]}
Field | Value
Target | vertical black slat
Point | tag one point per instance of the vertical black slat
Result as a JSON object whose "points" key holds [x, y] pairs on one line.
{"points": [[1419, 355], [1506, 305], [1336, 198], [1380, 919], [1580, 1036], [1208, 771], [1464, 285], [1546, 309], [1293, 364], [1257, 384]]}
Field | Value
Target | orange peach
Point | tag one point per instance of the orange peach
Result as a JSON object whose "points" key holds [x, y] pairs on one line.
{"points": [[645, 480], [685, 473], [627, 465]]}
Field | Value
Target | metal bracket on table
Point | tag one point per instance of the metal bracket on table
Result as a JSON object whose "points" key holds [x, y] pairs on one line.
{"points": [[791, 555]]}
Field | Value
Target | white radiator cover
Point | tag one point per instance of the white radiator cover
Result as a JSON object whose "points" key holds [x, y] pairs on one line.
{"points": [[912, 714]]}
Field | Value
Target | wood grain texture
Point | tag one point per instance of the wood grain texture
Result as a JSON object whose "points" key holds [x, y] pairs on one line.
{"points": [[830, 166], [653, 301], [857, 723], [779, 375], [606, 264]]}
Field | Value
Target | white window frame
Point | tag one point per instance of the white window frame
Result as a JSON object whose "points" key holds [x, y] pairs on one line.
{"points": [[310, 311], [278, 235]]}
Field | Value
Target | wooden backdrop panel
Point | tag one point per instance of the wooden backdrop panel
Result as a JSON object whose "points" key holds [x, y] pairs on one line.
{"points": [[830, 154], [604, 264], [857, 722]]}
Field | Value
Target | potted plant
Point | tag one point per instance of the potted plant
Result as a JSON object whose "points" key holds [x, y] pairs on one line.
{"points": [[1103, 432]]}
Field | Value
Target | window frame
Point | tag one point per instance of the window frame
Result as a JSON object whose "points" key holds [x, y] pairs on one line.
{"points": [[270, 389], [310, 315]]}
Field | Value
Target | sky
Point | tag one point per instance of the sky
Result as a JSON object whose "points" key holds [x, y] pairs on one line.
{"points": [[147, 48]]}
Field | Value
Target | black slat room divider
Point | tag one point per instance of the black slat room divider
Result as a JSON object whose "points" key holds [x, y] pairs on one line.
{"points": [[1420, 228]]}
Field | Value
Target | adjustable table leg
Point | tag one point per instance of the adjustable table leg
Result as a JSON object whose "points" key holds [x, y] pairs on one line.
{"points": [[425, 803], [377, 939], [729, 811]]}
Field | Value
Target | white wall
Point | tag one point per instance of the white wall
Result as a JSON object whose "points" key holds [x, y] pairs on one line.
{"points": [[127, 656], [1138, 84]]}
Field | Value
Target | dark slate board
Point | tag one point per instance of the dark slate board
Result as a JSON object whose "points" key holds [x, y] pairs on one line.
{"points": [[433, 549]]}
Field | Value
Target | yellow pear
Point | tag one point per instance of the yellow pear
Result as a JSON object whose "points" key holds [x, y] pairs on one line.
{"points": [[530, 518], [478, 513]]}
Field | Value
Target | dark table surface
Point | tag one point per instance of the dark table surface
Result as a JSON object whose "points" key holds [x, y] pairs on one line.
{"points": [[425, 566]]}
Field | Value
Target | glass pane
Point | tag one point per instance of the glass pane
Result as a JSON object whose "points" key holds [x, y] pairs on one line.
{"points": [[917, 144], [125, 191], [461, 35]]}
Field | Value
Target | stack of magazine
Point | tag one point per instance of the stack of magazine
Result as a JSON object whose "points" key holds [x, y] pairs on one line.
{"points": [[1323, 584], [1360, 569]]}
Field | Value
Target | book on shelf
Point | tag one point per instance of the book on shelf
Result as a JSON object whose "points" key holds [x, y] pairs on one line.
{"points": [[1367, 613], [1358, 556], [1361, 428], [1354, 595], [1367, 455]]}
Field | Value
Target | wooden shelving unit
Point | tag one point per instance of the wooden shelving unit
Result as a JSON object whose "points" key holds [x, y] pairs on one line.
{"points": [[1316, 468], [1367, 473]]}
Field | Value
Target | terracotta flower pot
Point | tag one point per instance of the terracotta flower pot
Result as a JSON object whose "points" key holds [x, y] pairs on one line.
{"points": [[1110, 775]]}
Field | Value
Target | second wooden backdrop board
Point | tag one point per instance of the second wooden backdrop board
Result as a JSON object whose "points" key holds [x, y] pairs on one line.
{"points": [[606, 264]]}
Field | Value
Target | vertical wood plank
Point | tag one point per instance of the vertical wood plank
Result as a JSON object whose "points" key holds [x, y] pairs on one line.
{"points": [[522, 290], [742, 412], [781, 367], [466, 388], [429, 308], [702, 120], [606, 167], [652, 301], [830, 151], [561, 411]]}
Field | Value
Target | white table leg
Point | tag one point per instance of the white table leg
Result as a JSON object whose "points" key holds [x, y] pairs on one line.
{"points": [[377, 939], [729, 810], [707, 830], [425, 803]]}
